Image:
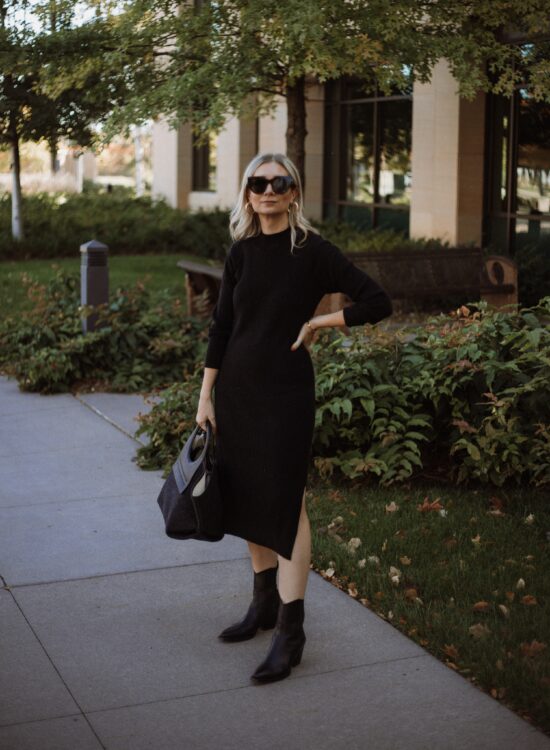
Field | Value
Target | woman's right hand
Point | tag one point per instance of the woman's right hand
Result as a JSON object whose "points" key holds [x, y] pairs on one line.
{"points": [[205, 413]]}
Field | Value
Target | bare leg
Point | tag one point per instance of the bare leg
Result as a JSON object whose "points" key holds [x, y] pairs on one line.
{"points": [[293, 573], [262, 557]]}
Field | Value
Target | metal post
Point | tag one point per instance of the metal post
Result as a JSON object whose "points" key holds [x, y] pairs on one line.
{"points": [[94, 279]]}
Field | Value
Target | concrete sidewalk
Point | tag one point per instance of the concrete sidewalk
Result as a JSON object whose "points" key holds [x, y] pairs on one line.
{"points": [[108, 629]]}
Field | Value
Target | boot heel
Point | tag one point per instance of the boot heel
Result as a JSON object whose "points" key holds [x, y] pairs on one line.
{"points": [[297, 658]]}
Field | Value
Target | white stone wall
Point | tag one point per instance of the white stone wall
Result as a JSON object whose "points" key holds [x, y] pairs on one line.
{"points": [[447, 161], [171, 156]]}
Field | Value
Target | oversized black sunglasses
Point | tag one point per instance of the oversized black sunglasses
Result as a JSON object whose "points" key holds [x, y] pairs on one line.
{"points": [[280, 184]]}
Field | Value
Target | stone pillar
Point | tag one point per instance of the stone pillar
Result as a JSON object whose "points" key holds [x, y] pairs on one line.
{"points": [[272, 129], [315, 115], [172, 163], [447, 161]]}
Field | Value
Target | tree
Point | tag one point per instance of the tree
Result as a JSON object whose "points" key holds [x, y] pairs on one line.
{"points": [[32, 44], [203, 61]]}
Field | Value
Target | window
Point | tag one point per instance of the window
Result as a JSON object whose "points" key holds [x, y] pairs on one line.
{"points": [[367, 154], [204, 165], [517, 201]]}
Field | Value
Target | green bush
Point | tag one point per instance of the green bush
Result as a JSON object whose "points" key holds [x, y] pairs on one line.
{"points": [[56, 226], [350, 239], [169, 422], [142, 340], [465, 395]]}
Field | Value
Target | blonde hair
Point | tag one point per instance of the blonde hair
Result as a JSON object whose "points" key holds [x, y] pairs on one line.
{"points": [[244, 223]]}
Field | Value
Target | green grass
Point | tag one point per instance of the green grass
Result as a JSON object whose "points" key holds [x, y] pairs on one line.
{"points": [[448, 563], [124, 270]]}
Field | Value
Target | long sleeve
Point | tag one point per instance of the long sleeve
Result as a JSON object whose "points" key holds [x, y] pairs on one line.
{"points": [[221, 322], [370, 302]]}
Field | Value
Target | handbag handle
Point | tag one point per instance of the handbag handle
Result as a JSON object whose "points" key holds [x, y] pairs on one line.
{"points": [[185, 466]]}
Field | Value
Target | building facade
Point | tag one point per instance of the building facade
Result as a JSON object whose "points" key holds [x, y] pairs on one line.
{"points": [[421, 160]]}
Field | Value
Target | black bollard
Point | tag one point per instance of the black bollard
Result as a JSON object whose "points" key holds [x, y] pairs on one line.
{"points": [[94, 279]]}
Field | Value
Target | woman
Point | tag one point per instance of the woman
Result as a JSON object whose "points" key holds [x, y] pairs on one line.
{"points": [[276, 272]]}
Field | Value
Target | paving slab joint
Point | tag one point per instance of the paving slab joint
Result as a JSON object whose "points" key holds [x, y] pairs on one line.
{"points": [[108, 419]]}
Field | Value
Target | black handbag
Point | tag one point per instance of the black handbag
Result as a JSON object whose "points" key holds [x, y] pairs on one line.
{"points": [[190, 498]]}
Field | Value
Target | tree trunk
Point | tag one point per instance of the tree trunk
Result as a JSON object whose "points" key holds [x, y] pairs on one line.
{"points": [[138, 150], [54, 164], [16, 214], [296, 125]]}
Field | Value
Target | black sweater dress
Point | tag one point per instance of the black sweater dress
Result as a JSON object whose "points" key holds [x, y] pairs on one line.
{"points": [[264, 393]]}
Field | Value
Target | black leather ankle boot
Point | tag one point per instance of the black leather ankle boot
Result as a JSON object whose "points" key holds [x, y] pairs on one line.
{"points": [[262, 612], [287, 643]]}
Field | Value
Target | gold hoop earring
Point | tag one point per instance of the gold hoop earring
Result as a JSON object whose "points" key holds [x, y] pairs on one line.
{"points": [[247, 206]]}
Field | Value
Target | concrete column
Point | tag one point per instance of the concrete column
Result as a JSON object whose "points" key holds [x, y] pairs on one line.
{"points": [[249, 146], [272, 129], [447, 161], [313, 205], [172, 163]]}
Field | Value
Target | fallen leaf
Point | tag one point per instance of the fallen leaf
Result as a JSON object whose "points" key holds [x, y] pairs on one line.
{"points": [[481, 606], [510, 595], [476, 539], [392, 507], [329, 572], [503, 609], [520, 584], [379, 595], [374, 559], [405, 560], [479, 630], [529, 600], [532, 649], [395, 575], [451, 651], [529, 519], [361, 563], [427, 505]]}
